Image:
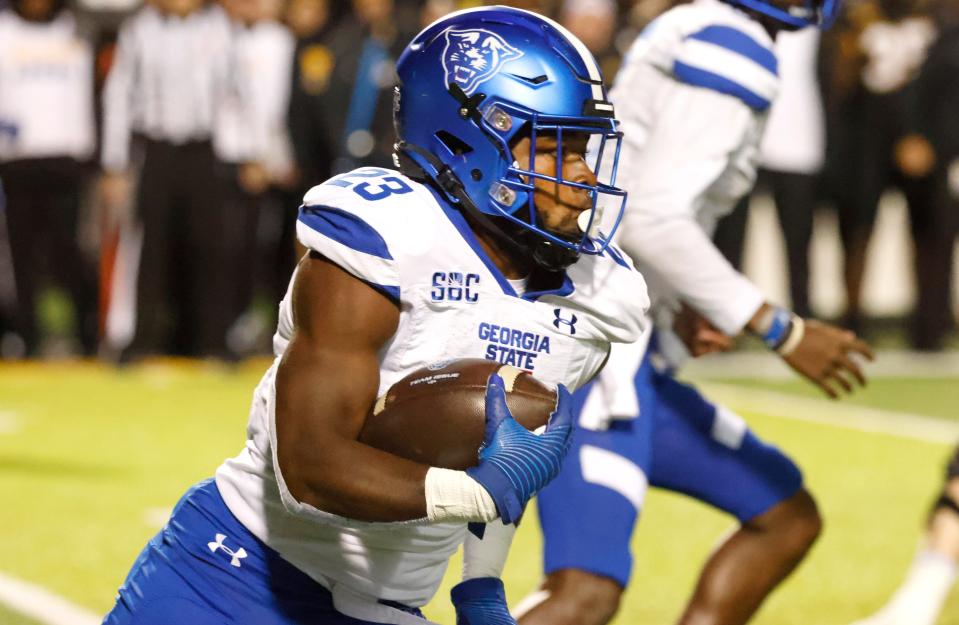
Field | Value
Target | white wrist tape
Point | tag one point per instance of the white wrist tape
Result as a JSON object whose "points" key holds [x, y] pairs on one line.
{"points": [[455, 496], [796, 333]]}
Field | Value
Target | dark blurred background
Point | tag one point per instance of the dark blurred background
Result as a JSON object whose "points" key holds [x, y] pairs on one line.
{"points": [[152, 158]]}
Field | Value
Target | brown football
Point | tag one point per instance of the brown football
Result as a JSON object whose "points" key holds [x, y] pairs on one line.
{"points": [[436, 415]]}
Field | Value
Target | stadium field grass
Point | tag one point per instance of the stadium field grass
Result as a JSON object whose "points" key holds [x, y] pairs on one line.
{"points": [[9, 617], [91, 459]]}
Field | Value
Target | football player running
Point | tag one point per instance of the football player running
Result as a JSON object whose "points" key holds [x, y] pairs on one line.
{"points": [[693, 95], [484, 244]]}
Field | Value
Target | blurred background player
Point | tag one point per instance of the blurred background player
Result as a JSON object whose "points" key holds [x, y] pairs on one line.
{"points": [[695, 93], [792, 154], [47, 138], [933, 573], [308, 525]]}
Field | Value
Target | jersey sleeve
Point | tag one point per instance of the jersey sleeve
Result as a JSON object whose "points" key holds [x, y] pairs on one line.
{"points": [[727, 60], [351, 232], [669, 179]]}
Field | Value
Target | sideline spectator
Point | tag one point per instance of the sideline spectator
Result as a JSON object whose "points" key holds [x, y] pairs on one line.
{"points": [[594, 22], [258, 171], [308, 118], [365, 45], [543, 7], [433, 10], [173, 71], [259, 181], [873, 129], [935, 231], [46, 136]]}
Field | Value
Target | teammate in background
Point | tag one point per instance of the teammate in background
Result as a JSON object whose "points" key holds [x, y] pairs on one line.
{"points": [[933, 573], [494, 220], [694, 93]]}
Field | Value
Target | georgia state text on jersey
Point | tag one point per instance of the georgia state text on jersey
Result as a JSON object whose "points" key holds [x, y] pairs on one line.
{"points": [[397, 236]]}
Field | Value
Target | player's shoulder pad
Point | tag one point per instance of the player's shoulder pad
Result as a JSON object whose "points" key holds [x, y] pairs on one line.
{"points": [[617, 256], [359, 219], [615, 293], [730, 56]]}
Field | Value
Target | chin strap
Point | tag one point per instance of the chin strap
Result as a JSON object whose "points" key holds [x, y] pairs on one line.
{"points": [[552, 257]]}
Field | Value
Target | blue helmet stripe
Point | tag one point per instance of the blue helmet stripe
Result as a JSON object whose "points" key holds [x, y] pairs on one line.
{"points": [[740, 43], [702, 78]]}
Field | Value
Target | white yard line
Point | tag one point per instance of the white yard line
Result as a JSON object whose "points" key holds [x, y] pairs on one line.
{"points": [[834, 414], [9, 423], [763, 365], [41, 605]]}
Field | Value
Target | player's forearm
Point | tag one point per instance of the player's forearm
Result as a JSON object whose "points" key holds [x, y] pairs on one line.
{"points": [[322, 464], [327, 469], [680, 253], [352, 480], [387, 488]]}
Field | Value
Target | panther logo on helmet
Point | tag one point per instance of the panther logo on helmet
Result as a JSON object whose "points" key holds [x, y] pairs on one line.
{"points": [[472, 57]]}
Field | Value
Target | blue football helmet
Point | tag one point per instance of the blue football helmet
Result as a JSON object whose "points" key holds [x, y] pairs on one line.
{"points": [[473, 83], [819, 13]]}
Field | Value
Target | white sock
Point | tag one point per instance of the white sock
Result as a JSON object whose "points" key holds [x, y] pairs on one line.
{"points": [[486, 557], [919, 600]]}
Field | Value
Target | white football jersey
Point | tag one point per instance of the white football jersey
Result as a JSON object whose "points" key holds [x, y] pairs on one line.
{"points": [[693, 96], [396, 235]]}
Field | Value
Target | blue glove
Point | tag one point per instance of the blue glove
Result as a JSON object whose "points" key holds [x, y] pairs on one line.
{"points": [[481, 601], [514, 463]]}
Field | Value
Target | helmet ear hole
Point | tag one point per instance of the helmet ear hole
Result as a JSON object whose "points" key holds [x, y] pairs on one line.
{"points": [[453, 143]]}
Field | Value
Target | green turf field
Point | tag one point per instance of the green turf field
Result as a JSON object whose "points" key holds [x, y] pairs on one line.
{"points": [[91, 460]]}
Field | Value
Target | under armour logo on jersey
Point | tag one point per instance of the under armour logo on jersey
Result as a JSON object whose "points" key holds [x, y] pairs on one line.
{"points": [[559, 322], [236, 556], [472, 57]]}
